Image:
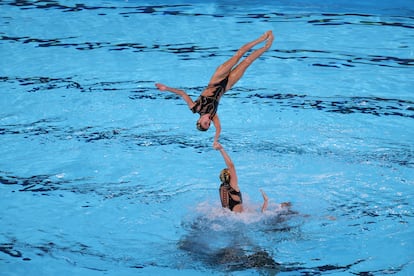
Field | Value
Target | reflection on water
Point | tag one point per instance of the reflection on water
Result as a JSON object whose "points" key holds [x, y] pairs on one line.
{"points": [[223, 240], [229, 242]]}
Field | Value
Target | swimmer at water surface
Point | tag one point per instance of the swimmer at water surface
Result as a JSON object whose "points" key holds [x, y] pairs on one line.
{"points": [[230, 195], [223, 79]]}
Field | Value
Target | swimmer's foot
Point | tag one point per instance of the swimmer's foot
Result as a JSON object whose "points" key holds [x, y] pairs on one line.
{"points": [[245, 48], [265, 36], [262, 38], [269, 39]]}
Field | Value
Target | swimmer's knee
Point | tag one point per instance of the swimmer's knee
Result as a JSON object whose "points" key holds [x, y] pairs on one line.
{"points": [[248, 60], [240, 53]]}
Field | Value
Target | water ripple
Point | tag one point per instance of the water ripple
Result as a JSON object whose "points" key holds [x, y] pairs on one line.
{"points": [[347, 105], [377, 106], [400, 154], [324, 58], [52, 184]]}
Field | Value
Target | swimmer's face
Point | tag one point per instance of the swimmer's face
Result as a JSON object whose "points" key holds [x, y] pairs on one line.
{"points": [[203, 123]]}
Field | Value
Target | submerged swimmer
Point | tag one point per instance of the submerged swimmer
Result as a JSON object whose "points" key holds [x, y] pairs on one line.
{"points": [[229, 191], [222, 80]]}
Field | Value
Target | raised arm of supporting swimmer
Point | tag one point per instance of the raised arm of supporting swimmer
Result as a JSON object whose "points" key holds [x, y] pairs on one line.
{"points": [[230, 166], [179, 92]]}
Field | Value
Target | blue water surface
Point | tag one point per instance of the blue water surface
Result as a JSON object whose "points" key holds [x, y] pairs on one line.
{"points": [[102, 174]]}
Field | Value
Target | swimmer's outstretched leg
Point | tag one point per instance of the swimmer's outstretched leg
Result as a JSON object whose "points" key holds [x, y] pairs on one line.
{"points": [[238, 72], [224, 69]]}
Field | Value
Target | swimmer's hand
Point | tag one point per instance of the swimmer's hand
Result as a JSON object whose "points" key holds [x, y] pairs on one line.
{"points": [[217, 146], [161, 86]]}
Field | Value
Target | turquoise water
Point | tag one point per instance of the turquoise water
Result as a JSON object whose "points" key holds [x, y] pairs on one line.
{"points": [[102, 174]]}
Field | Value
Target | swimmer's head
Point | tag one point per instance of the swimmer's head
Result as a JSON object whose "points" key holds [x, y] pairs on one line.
{"points": [[225, 176], [203, 123]]}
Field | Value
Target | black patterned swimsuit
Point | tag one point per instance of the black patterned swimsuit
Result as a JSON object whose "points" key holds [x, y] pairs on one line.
{"points": [[226, 196], [209, 104]]}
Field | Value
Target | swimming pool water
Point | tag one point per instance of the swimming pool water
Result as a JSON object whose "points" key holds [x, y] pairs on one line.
{"points": [[102, 174]]}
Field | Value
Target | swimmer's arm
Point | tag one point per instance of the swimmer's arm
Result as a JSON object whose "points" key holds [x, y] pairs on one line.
{"points": [[217, 125], [179, 92], [265, 200], [230, 166]]}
